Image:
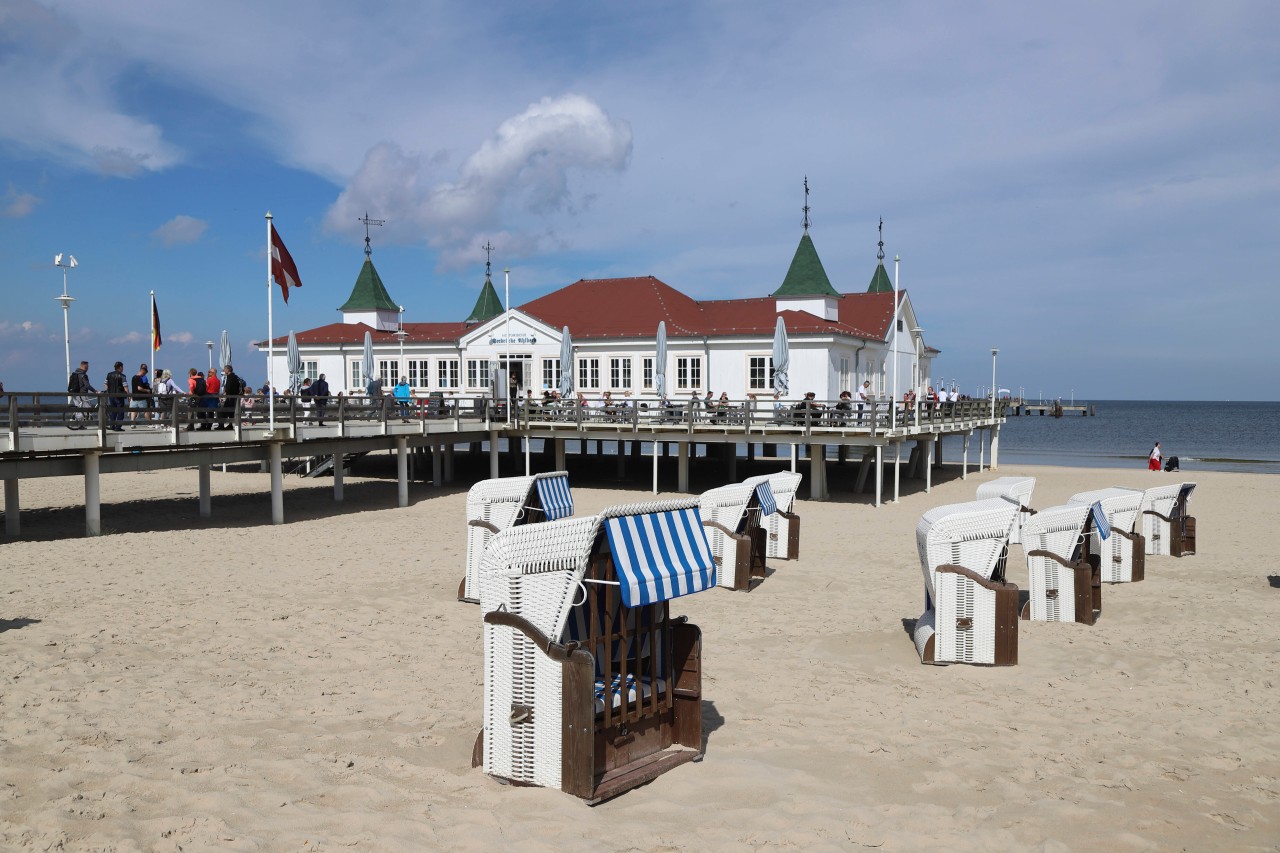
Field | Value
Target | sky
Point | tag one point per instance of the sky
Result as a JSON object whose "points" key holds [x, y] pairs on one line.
{"points": [[1091, 187]]}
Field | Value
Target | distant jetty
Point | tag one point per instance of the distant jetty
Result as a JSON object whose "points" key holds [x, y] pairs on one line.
{"points": [[1056, 409]]}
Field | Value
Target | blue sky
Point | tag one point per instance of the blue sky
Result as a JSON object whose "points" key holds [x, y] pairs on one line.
{"points": [[1092, 187]]}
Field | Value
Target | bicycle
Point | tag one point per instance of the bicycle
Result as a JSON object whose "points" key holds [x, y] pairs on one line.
{"points": [[81, 412]]}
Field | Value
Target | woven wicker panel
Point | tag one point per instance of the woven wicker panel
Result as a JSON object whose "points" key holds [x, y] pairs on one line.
{"points": [[1058, 530], [1121, 507], [974, 535], [1016, 489], [500, 502], [1160, 499], [785, 484]]}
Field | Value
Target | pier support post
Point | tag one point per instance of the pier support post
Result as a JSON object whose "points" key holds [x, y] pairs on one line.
{"points": [[437, 464], [682, 466], [448, 462], [206, 503], [897, 469], [12, 517], [559, 443], [528, 461], [402, 471], [818, 472], [793, 458], [493, 455], [964, 459], [277, 483], [981, 457], [92, 496], [657, 451], [879, 473], [338, 459], [995, 447], [928, 464]]}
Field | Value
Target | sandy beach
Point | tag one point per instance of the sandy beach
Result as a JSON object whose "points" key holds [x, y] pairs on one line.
{"points": [[223, 684]]}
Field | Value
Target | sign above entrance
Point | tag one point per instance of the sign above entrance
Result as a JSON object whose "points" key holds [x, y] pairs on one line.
{"points": [[516, 338]]}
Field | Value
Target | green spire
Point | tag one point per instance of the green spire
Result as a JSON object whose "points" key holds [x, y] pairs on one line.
{"points": [[806, 277], [488, 305], [880, 281], [369, 294]]}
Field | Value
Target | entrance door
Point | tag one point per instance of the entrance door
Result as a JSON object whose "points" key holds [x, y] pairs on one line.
{"points": [[520, 375]]}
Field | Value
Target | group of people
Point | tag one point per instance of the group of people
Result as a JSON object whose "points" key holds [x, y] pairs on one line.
{"points": [[140, 395]]}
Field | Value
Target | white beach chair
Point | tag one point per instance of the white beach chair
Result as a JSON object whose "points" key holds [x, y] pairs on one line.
{"points": [[971, 614], [782, 528], [1169, 530], [1016, 489], [495, 505], [1123, 554], [732, 517], [1063, 575], [589, 685]]}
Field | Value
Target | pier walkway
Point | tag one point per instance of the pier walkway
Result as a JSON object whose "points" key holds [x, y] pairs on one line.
{"points": [[45, 435]]}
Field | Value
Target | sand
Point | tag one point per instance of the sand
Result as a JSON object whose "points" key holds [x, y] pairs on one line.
{"points": [[222, 684]]}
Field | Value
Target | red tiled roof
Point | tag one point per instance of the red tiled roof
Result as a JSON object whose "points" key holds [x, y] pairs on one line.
{"points": [[633, 307]]}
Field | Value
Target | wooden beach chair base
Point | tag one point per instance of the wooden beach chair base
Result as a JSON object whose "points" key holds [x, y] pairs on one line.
{"points": [[1086, 584], [790, 548], [1005, 613], [747, 567]]}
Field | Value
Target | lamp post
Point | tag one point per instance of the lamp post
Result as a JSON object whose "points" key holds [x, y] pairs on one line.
{"points": [[994, 352], [66, 303], [916, 333], [401, 334], [209, 344]]}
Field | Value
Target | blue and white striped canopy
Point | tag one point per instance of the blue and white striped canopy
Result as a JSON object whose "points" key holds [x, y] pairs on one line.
{"points": [[1100, 521], [660, 555], [557, 500], [764, 494]]}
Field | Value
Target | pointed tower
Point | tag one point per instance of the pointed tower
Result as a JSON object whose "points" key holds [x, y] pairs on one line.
{"points": [[806, 286], [488, 305], [369, 302], [880, 282]]}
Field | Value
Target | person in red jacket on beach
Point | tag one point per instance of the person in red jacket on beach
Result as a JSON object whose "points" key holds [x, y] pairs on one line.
{"points": [[1153, 461]]}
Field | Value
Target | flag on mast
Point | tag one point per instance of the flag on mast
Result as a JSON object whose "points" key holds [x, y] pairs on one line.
{"points": [[283, 269], [155, 325]]}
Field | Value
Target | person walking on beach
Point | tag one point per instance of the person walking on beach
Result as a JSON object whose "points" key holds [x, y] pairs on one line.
{"points": [[118, 389], [1153, 460]]}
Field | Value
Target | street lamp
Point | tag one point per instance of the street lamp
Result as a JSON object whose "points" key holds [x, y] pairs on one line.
{"points": [[916, 332], [209, 344], [66, 303], [401, 334], [506, 286], [994, 351]]}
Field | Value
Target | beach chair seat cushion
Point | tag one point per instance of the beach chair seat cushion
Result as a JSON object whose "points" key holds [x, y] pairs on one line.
{"points": [[615, 692]]}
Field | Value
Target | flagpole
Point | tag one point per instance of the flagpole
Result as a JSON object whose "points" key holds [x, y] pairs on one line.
{"points": [[271, 383], [153, 337]]}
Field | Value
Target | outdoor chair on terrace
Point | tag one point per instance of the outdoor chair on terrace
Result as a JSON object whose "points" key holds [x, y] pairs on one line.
{"points": [[1063, 575], [732, 517], [782, 528], [1165, 522], [590, 685], [971, 613], [1123, 555], [495, 505], [1016, 489]]}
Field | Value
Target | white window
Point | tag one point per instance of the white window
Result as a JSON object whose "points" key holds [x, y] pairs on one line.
{"points": [[419, 373], [844, 373], [588, 373], [477, 373], [447, 372], [388, 372], [357, 380], [620, 373], [759, 372], [647, 373], [311, 370], [550, 373], [689, 372]]}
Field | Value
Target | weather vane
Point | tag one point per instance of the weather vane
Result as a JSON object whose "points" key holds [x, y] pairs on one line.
{"points": [[806, 204], [368, 249], [488, 247], [880, 251]]}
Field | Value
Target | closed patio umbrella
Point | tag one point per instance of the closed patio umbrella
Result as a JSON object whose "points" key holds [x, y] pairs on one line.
{"points": [[781, 358], [660, 362], [566, 364], [366, 360], [294, 363], [224, 350]]}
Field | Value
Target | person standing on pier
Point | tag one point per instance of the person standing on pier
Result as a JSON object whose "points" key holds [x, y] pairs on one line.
{"points": [[118, 389], [1153, 460], [320, 398], [140, 389], [232, 389]]}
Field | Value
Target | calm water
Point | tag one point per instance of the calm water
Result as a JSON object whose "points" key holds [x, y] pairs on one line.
{"points": [[1204, 436]]}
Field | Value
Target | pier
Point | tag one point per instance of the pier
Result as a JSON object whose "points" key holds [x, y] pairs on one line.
{"points": [[42, 435], [1017, 407]]}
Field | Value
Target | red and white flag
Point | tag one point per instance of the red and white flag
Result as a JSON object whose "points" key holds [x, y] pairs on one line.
{"points": [[283, 269]]}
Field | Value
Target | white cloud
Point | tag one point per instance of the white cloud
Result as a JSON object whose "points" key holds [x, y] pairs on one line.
{"points": [[525, 167], [180, 337], [17, 205], [20, 328], [130, 338], [179, 230]]}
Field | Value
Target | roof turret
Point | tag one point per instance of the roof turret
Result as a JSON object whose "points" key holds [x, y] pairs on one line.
{"points": [[369, 294]]}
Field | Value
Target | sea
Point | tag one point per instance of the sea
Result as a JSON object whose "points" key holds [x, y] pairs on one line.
{"points": [[1205, 436]]}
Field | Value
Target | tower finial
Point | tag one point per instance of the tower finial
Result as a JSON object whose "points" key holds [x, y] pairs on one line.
{"points": [[880, 250], [488, 247], [368, 248], [806, 204]]}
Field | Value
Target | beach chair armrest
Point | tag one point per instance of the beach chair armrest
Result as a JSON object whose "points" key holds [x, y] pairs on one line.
{"points": [[973, 576], [1028, 510], [1168, 519], [1127, 534], [553, 650], [1040, 552], [479, 522], [715, 525]]}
